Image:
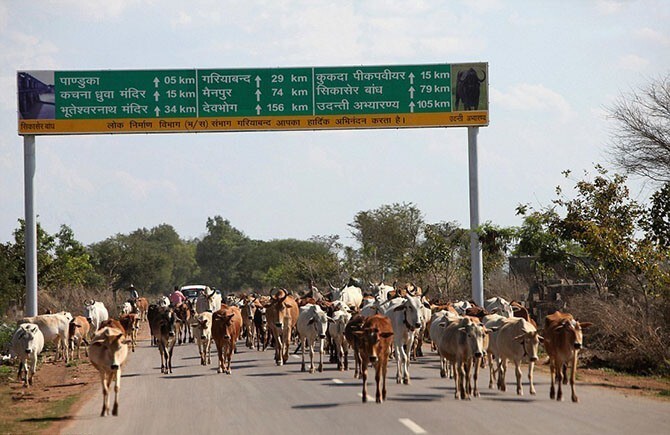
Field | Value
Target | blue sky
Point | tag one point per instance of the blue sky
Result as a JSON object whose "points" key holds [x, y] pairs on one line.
{"points": [[554, 68]]}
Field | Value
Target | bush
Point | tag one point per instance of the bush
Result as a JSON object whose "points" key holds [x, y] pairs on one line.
{"points": [[622, 336]]}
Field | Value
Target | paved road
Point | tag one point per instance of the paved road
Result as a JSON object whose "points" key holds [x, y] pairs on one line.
{"points": [[260, 398]]}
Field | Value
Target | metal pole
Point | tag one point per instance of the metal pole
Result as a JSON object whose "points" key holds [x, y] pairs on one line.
{"points": [[30, 226], [475, 246]]}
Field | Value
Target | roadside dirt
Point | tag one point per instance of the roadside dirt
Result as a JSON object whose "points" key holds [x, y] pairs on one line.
{"points": [[60, 391]]}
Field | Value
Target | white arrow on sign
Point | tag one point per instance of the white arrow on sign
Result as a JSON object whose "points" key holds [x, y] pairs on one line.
{"points": [[158, 111], [156, 81], [411, 78], [258, 95], [156, 95], [258, 109], [411, 107], [411, 92], [258, 81]]}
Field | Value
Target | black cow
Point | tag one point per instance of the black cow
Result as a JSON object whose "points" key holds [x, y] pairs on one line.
{"points": [[467, 89]]}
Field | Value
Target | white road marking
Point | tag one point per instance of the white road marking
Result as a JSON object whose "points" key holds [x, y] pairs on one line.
{"points": [[337, 381], [415, 428]]}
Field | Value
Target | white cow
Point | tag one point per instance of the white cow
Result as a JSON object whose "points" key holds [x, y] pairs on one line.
{"points": [[438, 323], [405, 316], [515, 339], [202, 331], [381, 291], [125, 308], [461, 307], [336, 327], [163, 301], [492, 323], [208, 300], [54, 327], [498, 305], [351, 295], [96, 313], [462, 344], [27, 343], [312, 325], [108, 353]]}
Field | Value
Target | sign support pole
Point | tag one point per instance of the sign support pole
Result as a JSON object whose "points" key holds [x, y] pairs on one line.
{"points": [[475, 247], [30, 229]]}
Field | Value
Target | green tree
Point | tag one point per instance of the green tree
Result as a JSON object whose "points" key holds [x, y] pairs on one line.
{"points": [[387, 235], [219, 254], [442, 258]]}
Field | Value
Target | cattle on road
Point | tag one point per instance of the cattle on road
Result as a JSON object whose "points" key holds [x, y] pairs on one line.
{"points": [[108, 353], [226, 329], [27, 343], [375, 347]]}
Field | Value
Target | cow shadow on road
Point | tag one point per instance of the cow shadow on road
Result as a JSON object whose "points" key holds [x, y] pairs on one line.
{"points": [[266, 374], [316, 406], [197, 375], [416, 397]]}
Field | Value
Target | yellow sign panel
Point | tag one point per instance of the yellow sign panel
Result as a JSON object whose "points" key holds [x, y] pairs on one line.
{"points": [[186, 125]]}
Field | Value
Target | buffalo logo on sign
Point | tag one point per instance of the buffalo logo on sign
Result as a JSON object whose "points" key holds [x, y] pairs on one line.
{"points": [[470, 84]]}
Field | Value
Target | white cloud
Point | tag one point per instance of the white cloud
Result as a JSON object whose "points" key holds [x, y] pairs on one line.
{"points": [[142, 189], [97, 10], [651, 35], [609, 7], [525, 96], [633, 62], [182, 19]]}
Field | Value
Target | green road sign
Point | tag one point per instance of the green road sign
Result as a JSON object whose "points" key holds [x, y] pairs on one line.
{"points": [[239, 99]]}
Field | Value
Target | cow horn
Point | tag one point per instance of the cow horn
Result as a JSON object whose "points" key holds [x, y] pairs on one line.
{"points": [[481, 80]]}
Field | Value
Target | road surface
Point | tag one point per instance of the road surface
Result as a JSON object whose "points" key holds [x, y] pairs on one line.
{"points": [[261, 398]]}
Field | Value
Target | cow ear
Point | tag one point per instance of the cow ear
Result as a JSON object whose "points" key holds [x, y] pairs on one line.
{"points": [[541, 338], [399, 308], [490, 330], [585, 325], [386, 334]]}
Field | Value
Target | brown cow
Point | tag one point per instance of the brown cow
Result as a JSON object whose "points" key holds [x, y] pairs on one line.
{"points": [[226, 329], [562, 341], [282, 314], [142, 306], [375, 347], [108, 353], [184, 312], [355, 324], [79, 330], [130, 323]]}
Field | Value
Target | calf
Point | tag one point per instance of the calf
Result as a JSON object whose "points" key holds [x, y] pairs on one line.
{"points": [[336, 328], [562, 340], [54, 327], [463, 345], [226, 329], [165, 327], [248, 325], [142, 306], [130, 324], [27, 343], [78, 333], [202, 331], [183, 312], [312, 325], [261, 327], [108, 352], [375, 346], [355, 324]]}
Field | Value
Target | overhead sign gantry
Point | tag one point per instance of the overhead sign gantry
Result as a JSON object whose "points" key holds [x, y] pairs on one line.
{"points": [[250, 99]]}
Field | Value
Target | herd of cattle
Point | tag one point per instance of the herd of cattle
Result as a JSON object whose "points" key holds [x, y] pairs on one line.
{"points": [[385, 322]]}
